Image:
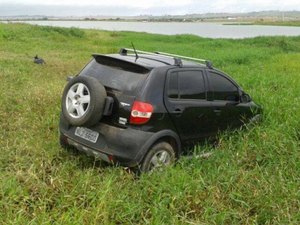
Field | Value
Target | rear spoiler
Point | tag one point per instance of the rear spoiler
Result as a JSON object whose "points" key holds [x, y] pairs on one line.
{"points": [[120, 63]]}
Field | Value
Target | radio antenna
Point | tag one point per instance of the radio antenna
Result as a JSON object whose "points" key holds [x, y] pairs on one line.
{"points": [[135, 52]]}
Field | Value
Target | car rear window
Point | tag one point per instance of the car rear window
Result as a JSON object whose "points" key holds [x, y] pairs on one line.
{"points": [[116, 74]]}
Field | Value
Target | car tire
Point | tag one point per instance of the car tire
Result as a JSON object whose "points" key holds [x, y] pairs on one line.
{"points": [[83, 101], [158, 157]]}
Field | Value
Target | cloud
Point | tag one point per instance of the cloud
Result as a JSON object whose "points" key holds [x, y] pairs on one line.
{"points": [[133, 7], [254, 5], [127, 3]]}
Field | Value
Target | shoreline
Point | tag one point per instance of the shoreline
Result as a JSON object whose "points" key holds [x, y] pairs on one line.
{"points": [[201, 29]]}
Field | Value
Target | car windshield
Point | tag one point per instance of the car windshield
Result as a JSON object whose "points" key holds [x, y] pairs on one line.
{"points": [[116, 74]]}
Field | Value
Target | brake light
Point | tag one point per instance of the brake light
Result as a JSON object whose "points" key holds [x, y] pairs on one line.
{"points": [[141, 112]]}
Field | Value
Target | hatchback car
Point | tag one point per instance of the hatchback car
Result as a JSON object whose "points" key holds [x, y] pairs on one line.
{"points": [[139, 109]]}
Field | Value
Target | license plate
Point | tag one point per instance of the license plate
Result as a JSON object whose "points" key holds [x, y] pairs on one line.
{"points": [[87, 134]]}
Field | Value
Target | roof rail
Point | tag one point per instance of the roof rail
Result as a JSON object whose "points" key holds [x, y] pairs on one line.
{"points": [[207, 62], [124, 51], [177, 58]]}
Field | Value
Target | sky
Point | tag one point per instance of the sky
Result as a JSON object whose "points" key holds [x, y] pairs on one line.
{"points": [[139, 7]]}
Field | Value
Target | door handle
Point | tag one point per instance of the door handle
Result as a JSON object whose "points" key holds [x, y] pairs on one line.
{"points": [[200, 116], [177, 111], [217, 111]]}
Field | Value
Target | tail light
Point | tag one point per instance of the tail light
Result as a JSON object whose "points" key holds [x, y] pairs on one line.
{"points": [[141, 112]]}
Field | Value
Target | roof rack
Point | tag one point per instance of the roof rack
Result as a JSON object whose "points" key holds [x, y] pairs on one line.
{"points": [[177, 58]]}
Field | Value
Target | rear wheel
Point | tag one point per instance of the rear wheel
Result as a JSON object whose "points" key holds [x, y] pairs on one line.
{"points": [[158, 157]]}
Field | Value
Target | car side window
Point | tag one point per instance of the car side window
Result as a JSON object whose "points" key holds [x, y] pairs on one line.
{"points": [[223, 88], [173, 85], [187, 85]]}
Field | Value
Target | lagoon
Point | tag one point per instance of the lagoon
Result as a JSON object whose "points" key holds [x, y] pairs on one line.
{"points": [[202, 29]]}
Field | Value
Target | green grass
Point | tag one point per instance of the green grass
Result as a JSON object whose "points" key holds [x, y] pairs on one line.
{"points": [[294, 23], [253, 176]]}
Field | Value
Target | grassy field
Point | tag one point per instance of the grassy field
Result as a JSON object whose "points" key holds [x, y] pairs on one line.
{"points": [[253, 176], [295, 23], [267, 23]]}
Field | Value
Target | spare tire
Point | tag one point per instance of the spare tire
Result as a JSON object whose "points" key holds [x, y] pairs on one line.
{"points": [[83, 101]]}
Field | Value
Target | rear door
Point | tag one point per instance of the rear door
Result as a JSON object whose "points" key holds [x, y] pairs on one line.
{"points": [[186, 101]]}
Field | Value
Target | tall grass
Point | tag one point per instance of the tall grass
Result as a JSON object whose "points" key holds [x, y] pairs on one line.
{"points": [[251, 178]]}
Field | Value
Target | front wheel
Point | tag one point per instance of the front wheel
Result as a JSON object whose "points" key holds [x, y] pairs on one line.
{"points": [[158, 157]]}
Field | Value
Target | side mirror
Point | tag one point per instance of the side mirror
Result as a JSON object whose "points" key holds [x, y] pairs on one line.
{"points": [[245, 98], [69, 78]]}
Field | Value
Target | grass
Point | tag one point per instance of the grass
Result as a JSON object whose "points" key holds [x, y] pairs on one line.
{"points": [[295, 23], [253, 176], [292, 23]]}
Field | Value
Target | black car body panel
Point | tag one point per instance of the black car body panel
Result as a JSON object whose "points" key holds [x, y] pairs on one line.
{"points": [[117, 145]]}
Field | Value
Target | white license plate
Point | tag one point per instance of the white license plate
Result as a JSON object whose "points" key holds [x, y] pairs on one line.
{"points": [[87, 134]]}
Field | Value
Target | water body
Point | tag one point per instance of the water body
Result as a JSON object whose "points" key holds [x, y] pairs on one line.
{"points": [[211, 30]]}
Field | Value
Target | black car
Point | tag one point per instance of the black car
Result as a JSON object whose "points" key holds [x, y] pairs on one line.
{"points": [[140, 109]]}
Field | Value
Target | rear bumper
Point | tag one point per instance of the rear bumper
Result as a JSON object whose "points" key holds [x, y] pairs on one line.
{"points": [[116, 145]]}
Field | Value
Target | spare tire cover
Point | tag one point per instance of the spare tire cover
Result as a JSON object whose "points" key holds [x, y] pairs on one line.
{"points": [[83, 101]]}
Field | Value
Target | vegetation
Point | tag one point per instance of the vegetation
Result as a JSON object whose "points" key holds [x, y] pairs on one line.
{"points": [[294, 23], [267, 23], [252, 177]]}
